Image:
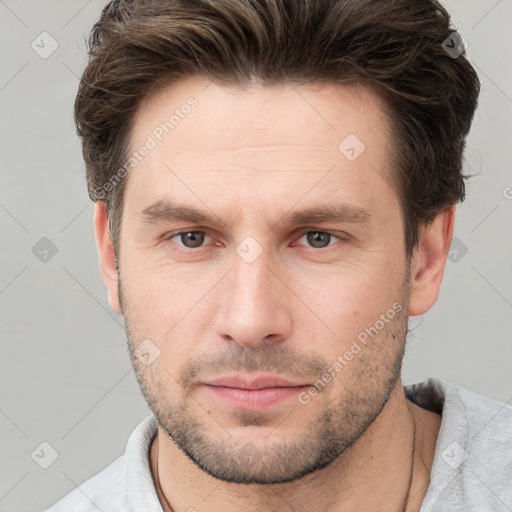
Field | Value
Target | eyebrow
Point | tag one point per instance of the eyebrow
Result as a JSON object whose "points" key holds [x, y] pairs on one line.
{"points": [[168, 211]]}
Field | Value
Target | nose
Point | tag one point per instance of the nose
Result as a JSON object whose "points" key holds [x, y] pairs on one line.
{"points": [[254, 304]]}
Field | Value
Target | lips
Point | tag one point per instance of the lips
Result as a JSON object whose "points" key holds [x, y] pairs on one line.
{"points": [[260, 382], [262, 392]]}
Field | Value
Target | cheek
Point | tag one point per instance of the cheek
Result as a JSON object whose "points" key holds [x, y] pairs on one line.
{"points": [[170, 309], [159, 294], [349, 300]]}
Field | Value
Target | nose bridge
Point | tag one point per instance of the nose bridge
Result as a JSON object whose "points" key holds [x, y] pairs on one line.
{"points": [[253, 303], [252, 282]]}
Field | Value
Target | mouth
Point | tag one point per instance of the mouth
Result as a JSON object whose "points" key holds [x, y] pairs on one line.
{"points": [[257, 393]]}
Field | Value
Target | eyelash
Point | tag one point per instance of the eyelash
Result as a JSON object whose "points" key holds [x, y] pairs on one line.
{"points": [[175, 234]]}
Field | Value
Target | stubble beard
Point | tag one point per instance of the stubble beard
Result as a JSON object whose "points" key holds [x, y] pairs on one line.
{"points": [[334, 426]]}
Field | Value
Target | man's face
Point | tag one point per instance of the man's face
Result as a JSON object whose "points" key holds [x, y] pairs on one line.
{"points": [[261, 286]]}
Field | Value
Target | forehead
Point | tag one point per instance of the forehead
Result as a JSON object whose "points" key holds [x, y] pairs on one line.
{"points": [[313, 114], [260, 141]]}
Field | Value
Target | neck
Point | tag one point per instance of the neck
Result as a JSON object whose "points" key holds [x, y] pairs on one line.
{"points": [[386, 469]]}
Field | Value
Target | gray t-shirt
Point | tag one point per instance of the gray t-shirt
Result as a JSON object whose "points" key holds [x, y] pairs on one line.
{"points": [[472, 469]]}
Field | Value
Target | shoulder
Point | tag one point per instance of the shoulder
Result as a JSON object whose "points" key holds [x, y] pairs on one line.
{"points": [[486, 414], [126, 484], [462, 408], [482, 475], [488, 424], [473, 461], [489, 439], [102, 492]]}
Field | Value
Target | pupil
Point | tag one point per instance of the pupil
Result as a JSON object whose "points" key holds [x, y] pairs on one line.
{"points": [[192, 238], [318, 239]]}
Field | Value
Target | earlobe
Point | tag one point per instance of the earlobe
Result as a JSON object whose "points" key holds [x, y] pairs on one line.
{"points": [[107, 256], [429, 261]]}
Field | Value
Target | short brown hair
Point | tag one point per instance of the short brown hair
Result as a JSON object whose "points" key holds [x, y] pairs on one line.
{"points": [[397, 47]]}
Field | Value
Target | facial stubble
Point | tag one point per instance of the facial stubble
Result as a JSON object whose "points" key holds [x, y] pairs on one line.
{"points": [[338, 417]]}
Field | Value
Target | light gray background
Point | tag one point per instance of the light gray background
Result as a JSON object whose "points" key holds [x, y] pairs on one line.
{"points": [[65, 371]]}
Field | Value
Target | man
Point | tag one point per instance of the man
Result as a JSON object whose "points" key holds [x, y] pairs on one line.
{"points": [[275, 185]]}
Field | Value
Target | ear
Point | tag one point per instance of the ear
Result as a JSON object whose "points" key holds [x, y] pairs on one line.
{"points": [[429, 260], [107, 255]]}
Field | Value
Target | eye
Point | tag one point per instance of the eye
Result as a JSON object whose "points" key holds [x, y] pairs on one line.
{"points": [[196, 239], [189, 239], [320, 239]]}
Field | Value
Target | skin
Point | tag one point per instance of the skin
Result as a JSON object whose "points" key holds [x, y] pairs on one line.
{"points": [[248, 158]]}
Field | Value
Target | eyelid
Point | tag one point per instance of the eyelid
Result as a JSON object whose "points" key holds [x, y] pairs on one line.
{"points": [[342, 237], [167, 237], [172, 234], [339, 234]]}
